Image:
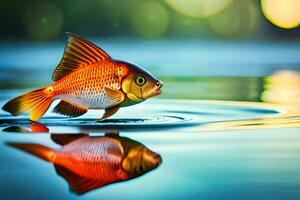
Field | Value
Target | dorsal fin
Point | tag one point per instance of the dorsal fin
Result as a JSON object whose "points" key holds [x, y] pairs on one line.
{"points": [[78, 52], [77, 183]]}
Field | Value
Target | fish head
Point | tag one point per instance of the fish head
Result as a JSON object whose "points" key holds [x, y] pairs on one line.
{"points": [[140, 84], [140, 160]]}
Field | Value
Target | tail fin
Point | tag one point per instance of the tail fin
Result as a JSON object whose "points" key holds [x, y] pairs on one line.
{"points": [[37, 102], [37, 150]]}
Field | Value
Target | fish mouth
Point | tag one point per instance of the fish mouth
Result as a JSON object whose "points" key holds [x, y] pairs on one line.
{"points": [[156, 92], [158, 160]]}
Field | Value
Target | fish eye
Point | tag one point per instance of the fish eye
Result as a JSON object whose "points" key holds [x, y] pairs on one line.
{"points": [[140, 80], [157, 83]]}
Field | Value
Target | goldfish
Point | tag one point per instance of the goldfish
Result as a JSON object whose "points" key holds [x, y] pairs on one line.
{"points": [[88, 78], [88, 163]]}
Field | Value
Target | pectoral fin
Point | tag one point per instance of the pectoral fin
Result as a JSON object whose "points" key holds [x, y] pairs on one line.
{"points": [[116, 150], [114, 97], [113, 100], [109, 112]]}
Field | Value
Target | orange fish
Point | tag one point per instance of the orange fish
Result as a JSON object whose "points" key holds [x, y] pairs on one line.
{"points": [[88, 163], [88, 78]]}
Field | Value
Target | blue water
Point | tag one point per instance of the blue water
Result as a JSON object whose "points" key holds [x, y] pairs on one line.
{"points": [[209, 149], [197, 164], [209, 165]]}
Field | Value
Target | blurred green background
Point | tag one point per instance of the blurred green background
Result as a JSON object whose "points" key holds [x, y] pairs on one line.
{"points": [[245, 50], [230, 19]]}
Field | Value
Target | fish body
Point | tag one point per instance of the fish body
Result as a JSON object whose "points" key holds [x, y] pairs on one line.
{"points": [[88, 78], [97, 159], [86, 86], [88, 162]]}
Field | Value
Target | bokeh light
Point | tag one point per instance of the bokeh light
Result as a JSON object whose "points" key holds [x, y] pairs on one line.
{"points": [[49, 19], [196, 8], [283, 87], [43, 20], [150, 19], [240, 19], [282, 13], [189, 27]]}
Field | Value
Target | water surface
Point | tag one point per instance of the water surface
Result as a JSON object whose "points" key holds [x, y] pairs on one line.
{"points": [[245, 145], [197, 163]]}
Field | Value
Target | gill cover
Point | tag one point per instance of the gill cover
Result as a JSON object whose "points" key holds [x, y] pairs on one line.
{"points": [[139, 84], [132, 91]]}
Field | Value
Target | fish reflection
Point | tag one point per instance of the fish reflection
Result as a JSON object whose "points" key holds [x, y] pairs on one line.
{"points": [[34, 127], [88, 163]]}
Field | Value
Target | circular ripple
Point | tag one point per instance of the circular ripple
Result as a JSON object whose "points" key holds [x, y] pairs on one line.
{"points": [[58, 125], [162, 114]]}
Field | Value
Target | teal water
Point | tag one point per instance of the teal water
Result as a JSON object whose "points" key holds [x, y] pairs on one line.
{"points": [[197, 163], [246, 145], [208, 165]]}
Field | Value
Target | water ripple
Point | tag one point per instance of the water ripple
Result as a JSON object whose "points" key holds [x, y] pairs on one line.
{"points": [[160, 114]]}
